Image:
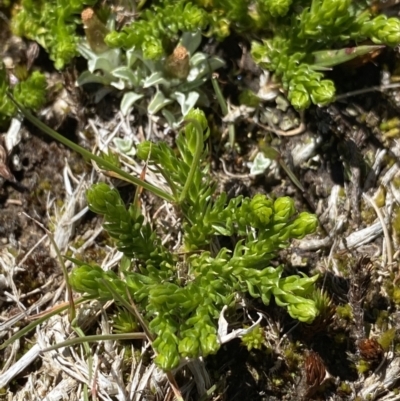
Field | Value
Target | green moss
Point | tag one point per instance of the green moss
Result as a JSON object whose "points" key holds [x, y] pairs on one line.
{"points": [[78, 243], [52, 24], [380, 197], [344, 312], [395, 295], [368, 213], [293, 356], [343, 267], [396, 182], [254, 339], [393, 133], [363, 366], [31, 93], [345, 388], [390, 124], [92, 256], [45, 185], [185, 318], [278, 382], [248, 98], [386, 338], [389, 160], [390, 128], [396, 222], [382, 320], [342, 192]]}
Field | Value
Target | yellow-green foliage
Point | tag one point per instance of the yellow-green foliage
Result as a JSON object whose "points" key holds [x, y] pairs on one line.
{"points": [[391, 128], [395, 295], [382, 320], [183, 314], [344, 312], [297, 39], [30, 93], [52, 24], [297, 50], [124, 322], [254, 339], [380, 197], [293, 356], [345, 388], [386, 338], [396, 223], [363, 366]]}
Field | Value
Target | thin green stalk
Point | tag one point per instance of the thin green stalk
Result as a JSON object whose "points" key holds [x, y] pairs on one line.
{"points": [[273, 154], [224, 108], [209, 393], [31, 326], [88, 352], [88, 155], [147, 335], [291, 175], [96, 338], [132, 309], [72, 311], [169, 181]]}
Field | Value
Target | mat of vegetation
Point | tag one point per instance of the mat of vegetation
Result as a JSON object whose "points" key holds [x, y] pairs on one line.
{"points": [[199, 200]]}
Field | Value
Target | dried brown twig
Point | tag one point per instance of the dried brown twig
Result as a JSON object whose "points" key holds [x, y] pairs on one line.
{"points": [[360, 279]]}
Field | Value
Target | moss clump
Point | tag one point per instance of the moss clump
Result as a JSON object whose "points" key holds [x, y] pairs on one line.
{"points": [[30, 93], [380, 197], [293, 356], [396, 223], [254, 339], [344, 312], [363, 366], [386, 338], [382, 320], [345, 388], [395, 295]]}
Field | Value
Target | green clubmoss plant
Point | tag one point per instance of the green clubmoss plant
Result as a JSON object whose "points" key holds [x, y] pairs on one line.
{"points": [[159, 25], [52, 24], [181, 294], [303, 36], [31, 93]]}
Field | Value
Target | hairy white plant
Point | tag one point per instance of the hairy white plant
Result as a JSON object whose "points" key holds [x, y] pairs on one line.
{"points": [[153, 85]]}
